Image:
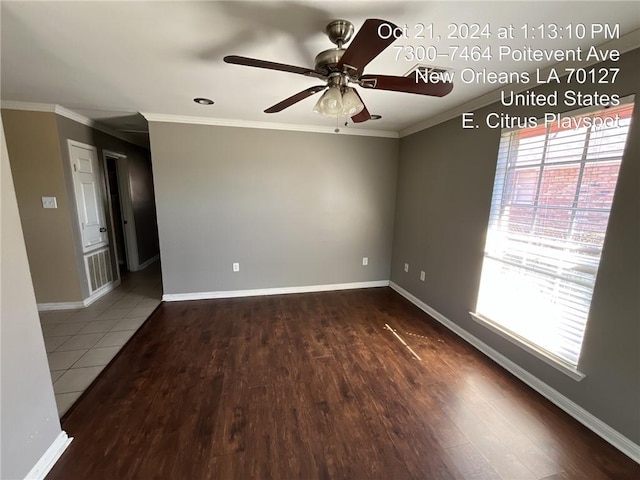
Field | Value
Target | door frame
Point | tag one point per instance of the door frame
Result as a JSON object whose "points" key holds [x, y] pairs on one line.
{"points": [[126, 207]]}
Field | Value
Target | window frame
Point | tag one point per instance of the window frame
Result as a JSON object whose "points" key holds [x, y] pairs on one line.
{"points": [[527, 345]]}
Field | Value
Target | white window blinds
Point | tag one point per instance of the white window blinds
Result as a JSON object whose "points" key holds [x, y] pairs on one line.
{"points": [[551, 200]]}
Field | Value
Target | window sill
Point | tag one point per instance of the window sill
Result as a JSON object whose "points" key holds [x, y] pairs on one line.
{"points": [[529, 347]]}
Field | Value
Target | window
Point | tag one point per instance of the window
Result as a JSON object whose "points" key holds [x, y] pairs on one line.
{"points": [[551, 200]]}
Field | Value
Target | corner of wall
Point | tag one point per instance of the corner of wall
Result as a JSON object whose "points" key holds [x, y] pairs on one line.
{"points": [[37, 166]]}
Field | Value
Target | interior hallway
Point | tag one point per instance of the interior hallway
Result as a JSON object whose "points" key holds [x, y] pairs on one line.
{"points": [[80, 343]]}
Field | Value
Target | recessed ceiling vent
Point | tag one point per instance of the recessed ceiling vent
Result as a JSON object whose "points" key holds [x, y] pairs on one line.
{"points": [[424, 69]]}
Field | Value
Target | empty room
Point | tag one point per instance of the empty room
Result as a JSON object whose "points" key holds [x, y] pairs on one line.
{"points": [[320, 240]]}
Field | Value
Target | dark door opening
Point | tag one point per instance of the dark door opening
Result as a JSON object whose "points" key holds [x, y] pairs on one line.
{"points": [[116, 209]]}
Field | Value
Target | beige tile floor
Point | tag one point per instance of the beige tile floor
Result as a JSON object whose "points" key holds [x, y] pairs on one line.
{"points": [[80, 343]]}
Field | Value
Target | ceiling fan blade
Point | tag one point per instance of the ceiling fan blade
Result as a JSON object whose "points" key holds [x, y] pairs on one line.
{"points": [[364, 115], [366, 45], [406, 84], [252, 62], [278, 107]]}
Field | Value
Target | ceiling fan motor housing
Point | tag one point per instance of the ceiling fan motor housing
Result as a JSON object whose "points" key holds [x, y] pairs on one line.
{"points": [[327, 61], [339, 32]]}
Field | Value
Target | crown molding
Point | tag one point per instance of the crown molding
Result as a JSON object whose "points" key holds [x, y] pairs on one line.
{"points": [[225, 122], [624, 44], [77, 117], [28, 106], [48, 107], [64, 112]]}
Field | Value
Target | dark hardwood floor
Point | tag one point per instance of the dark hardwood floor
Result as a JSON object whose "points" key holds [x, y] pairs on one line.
{"points": [[313, 386]]}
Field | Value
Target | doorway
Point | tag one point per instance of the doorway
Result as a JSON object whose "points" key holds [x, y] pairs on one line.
{"points": [[116, 213], [120, 211]]}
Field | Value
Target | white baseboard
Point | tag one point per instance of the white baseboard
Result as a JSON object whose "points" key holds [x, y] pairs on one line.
{"points": [[50, 457], [615, 438], [144, 265], [45, 307], [177, 297]]}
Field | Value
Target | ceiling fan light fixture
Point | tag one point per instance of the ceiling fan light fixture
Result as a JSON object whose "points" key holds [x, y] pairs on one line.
{"points": [[330, 104], [351, 103], [333, 103]]}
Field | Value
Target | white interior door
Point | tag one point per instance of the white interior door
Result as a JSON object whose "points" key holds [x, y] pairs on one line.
{"points": [[86, 184]]}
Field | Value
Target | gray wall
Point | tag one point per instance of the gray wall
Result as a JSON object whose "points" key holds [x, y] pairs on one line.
{"points": [[40, 166], [445, 182], [141, 180], [29, 418], [37, 169], [294, 209]]}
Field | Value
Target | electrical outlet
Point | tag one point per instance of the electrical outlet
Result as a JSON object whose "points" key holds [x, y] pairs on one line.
{"points": [[406, 267], [422, 275], [365, 261], [49, 202], [236, 267]]}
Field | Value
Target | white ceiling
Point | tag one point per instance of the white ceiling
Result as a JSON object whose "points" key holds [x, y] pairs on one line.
{"points": [[110, 60]]}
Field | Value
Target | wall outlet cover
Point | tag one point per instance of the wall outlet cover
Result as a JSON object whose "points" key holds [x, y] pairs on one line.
{"points": [[236, 267], [406, 267], [49, 202], [422, 275], [365, 261]]}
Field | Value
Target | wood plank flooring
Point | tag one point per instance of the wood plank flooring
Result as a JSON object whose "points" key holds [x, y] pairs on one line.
{"points": [[313, 386]]}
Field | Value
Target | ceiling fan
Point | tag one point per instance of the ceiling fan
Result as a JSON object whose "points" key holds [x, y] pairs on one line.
{"points": [[341, 67]]}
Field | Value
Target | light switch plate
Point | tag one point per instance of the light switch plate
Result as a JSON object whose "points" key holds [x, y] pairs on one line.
{"points": [[49, 202]]}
